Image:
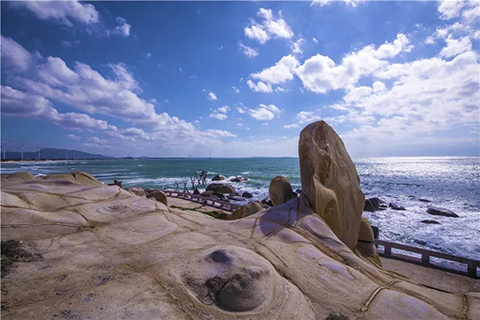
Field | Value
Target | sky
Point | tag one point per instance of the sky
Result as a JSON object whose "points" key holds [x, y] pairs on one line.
{"points": [[240, 79]]}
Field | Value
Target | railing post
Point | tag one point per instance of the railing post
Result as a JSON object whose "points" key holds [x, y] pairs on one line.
{"points": [[472, 269], [388, 249], [426, 257]]}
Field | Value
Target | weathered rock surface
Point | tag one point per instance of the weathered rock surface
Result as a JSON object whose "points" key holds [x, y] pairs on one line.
{"points": [[246, 210], [372, 204], [218, 177], [138, 191], [221, 187], [159, 195], [330, 181], [107, 253], [438, 211], [247, 195], [280, 190], [396, 206], [429, 221]]}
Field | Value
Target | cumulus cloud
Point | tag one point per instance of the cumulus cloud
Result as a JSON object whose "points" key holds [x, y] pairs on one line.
{"points": [[71, 13], [33, 84], [260, 86], [264, 112], [62, 12], [450, 9], [281, 72], [426, 96], [296, 46], [269, 27], [235, 89], [249, 52], [320, 74], [123, 28], [303, 117], [212, 96], [455, 47]]}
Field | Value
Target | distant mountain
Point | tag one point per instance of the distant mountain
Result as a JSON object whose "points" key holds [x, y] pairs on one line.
{"points": [[54, 154]]}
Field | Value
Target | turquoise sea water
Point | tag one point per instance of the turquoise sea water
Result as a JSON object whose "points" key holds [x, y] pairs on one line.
{"points": [[450, 182]]}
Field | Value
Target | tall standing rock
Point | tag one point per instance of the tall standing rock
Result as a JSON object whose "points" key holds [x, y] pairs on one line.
{"points": [[330, 181]]}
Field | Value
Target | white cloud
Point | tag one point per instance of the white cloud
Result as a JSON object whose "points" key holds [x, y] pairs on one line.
{"points": [[256, 32], [427, 96], [259, 87], [270, 27], [281, 72], [240, 110], [27, 105], [455, 47], [72, 137], [450, 9], [62, 12], [14, 55], [315, 40], [320, 73], [219, 116], [429, 40], [279, 89], [320, 3], [264, 112], [212, 96], [303, 117], [249, 52], [235, 89], [296, 46], [223, 109], [123, 28]]}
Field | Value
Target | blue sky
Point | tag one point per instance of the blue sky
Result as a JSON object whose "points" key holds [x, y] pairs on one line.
{"points": [[240, 79]]}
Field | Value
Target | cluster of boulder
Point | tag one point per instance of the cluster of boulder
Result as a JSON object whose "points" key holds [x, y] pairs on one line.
{"points": [[375, 204], [219, 177]]}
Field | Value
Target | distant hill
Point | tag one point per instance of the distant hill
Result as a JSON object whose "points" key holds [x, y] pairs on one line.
{"points": [[54, 154]]}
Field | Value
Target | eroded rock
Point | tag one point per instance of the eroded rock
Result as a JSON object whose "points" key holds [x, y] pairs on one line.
{"points": [[280, 190], [330, 181], [159, 196]]}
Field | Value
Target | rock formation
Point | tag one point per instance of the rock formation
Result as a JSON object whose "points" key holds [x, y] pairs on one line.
{"points": [[280, 190], [159, 196], [221, 188], [437, 211], [104, 253], [246, 210], [330, 181], [138, 191]]}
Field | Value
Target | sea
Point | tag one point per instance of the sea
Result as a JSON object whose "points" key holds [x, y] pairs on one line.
{"points": [[449, 182]]}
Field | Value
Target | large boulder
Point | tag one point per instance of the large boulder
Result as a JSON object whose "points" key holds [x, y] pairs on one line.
{"points": [[138, 191], [159, 195], [218, 177], [246, 210], [280, 190], [330, 181], [221, 188], [372, 204], [438, 211]]}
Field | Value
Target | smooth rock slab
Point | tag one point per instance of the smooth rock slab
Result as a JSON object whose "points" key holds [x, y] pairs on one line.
{"points": [[127, 257]]}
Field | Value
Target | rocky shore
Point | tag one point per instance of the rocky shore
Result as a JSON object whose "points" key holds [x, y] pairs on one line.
{"points": [[78, 249]]}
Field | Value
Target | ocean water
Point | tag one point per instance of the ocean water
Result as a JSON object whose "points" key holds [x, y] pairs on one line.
{"points": [[449, 182]]}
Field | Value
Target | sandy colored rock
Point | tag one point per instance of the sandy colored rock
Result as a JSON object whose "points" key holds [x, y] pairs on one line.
{"points": [[18, 176], [280, 190], [138, 191], [221, 188], [330, 181], [246, 210], [365, 233], [159, 196], [109, 254]]}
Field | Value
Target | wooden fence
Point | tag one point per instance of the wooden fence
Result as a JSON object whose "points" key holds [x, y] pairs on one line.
{"points": [[207, 201], [471, 264]]}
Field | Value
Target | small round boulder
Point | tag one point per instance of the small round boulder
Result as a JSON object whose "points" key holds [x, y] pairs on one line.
{"points": [[280, 190]]}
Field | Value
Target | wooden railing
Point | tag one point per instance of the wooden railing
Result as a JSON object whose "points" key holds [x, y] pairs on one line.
{"points": [[223, 205], [472, 264]]}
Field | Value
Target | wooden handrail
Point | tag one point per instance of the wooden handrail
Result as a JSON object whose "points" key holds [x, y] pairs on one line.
{"points": [[472, 264], [223, 205]]}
